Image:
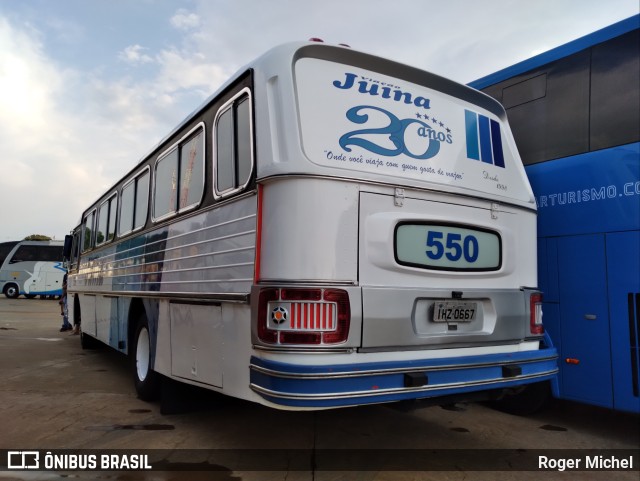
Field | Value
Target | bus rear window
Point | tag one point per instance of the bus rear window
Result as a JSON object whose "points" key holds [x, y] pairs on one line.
{"points": [[447, 247], [372, 123]]}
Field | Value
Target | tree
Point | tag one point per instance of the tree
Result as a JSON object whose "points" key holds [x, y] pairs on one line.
{"points": [[37, 237]]}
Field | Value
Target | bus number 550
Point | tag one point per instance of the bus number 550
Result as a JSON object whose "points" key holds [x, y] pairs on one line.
{"points": [[453, 246]]}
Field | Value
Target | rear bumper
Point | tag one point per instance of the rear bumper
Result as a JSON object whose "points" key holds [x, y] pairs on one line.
{"points": [[337, 385]]}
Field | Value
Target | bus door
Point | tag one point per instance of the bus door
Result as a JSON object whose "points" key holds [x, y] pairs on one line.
{"points": [[584, 319], [624, 307]]}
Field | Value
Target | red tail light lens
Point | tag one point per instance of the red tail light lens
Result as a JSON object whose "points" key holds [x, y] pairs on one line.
{"points": [[341, 298], [535, 319], [301, 294], [303, 316], [266, 296]]}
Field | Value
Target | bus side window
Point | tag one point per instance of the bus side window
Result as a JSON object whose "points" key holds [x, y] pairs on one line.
{"points": [[615, 70], [165, 185], [233, 145], [50, 253], [134, 204], [142, 200], [106, 220], [179, 176], [25, 253], [103, 221], [126, 208], [88, 226], [191, 172], [113, 208]]}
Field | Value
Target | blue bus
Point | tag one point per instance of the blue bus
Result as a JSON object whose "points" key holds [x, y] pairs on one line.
{"points": [[575, 116]]}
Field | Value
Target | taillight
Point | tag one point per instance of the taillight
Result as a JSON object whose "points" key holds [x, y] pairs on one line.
{"points": [[535, 319], [303, 316]]}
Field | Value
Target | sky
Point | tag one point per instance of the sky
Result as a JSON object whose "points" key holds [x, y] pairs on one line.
{"points": [[88, 87]]}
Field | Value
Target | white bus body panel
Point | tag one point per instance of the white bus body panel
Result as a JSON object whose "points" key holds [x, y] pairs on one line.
{"points": [[309, 230]]}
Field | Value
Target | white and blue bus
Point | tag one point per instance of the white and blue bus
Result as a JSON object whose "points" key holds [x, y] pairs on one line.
{"points": [[575, 115], [31, 268], [329, 229]]}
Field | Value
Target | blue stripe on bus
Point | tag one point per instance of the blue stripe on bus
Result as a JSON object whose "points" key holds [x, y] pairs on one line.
{"points": [[485, 140], [340, 385], [496, 141], [471, 124]]}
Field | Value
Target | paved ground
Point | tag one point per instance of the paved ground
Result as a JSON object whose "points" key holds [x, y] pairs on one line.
{"points": [[54, 395]]}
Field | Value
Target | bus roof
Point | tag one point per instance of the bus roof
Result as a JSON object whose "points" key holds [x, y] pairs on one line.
{"points": [[280, 59], [574, 46], [289, 51]]}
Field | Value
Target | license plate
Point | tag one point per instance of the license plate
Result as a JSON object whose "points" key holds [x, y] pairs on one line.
{"points": [[454, 311]]}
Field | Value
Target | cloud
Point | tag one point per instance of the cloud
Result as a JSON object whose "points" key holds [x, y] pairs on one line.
{"points": [[63, 136], [27, 82], [182, 71], [75, 116], [67, 135], [183, 20], [134, 54]]}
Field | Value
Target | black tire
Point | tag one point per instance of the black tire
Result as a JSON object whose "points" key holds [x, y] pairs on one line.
{"points": [[146, 380], [12, 291], [531, 399]]}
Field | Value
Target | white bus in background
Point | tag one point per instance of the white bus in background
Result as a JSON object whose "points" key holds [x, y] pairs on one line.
{"points": [[329, 229], [32, 268]]}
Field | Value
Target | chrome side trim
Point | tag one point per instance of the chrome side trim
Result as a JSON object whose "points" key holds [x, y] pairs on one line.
{"points": [[397, 370], [310, 282], [173, 296], [300, 350], [382, 392]]}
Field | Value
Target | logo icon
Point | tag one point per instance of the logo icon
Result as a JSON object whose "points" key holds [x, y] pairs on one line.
{"points": [[484, 141], [279, 315], [23, 459]]}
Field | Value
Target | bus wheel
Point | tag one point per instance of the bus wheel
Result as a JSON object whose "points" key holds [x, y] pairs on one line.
{"points": [[146, 380], [11, 291]]}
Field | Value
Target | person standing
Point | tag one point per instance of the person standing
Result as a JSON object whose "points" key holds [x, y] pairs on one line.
{"points": [[64, 311]]}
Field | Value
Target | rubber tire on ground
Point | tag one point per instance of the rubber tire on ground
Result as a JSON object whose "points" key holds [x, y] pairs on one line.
{"points": [[12, 291], [532, 399], [147, 381]]}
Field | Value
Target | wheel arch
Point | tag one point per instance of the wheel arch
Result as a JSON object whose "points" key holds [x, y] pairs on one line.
{"points": [[142, 314], [77, 313], [136, 310], [8, 286]]}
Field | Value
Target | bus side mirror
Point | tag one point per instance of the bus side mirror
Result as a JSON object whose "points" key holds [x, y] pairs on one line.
{"points": [[66, 250]]}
